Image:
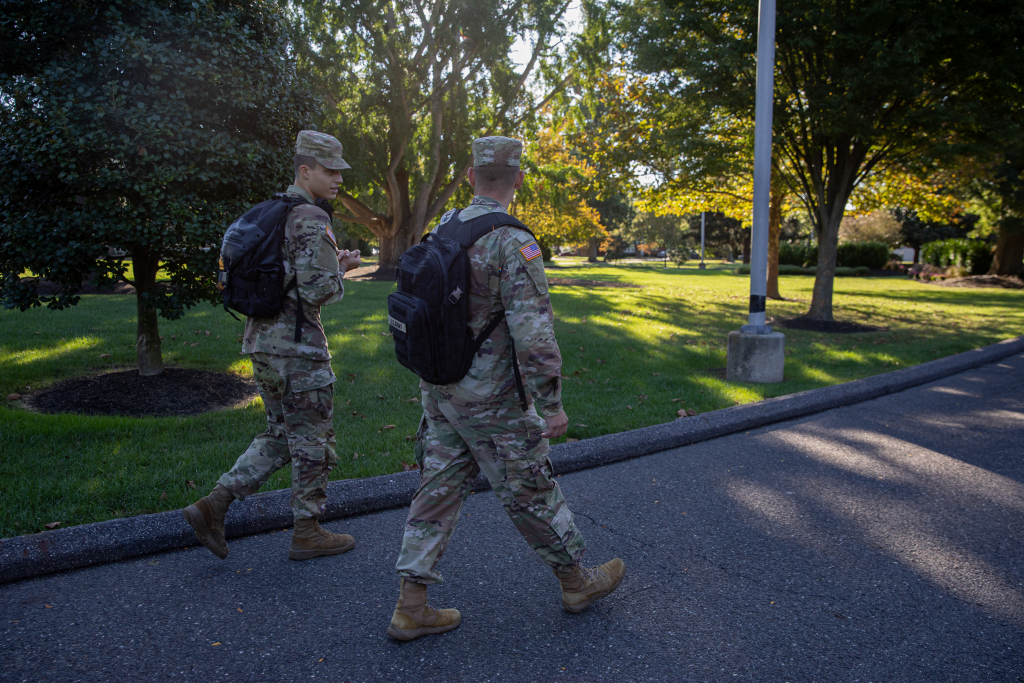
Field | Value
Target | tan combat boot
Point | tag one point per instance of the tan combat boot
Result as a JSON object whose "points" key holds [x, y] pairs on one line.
{"points": [[582, 585], [413, 617], [310, 540], [206, 517]]}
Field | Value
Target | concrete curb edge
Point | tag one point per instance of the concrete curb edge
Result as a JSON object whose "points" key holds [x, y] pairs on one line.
{"points": [[24, 557]]}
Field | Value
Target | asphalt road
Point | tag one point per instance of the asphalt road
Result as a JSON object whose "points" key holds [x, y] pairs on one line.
{"points": [[878, 542]]}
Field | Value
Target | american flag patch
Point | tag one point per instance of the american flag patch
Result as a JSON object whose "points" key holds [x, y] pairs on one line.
{"points": [[530, 251]]}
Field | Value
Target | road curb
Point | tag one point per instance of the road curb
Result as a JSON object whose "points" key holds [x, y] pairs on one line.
{"points": [[24, 557]]}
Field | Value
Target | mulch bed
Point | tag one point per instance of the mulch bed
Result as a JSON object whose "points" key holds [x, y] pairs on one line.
{"points": [[175, 392], [372, 273], [980, 281], [827, 326], [47, 287]]}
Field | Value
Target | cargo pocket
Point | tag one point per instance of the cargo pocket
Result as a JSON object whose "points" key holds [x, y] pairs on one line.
{"points": [[527, 468]]}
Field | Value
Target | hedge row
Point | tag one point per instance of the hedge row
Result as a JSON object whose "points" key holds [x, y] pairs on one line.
{"points": [[784, 269], [870, 255], [974, 256]]}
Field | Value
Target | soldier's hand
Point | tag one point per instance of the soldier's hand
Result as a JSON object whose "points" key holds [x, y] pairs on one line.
{"points": [[347, 260], [556, 425]]}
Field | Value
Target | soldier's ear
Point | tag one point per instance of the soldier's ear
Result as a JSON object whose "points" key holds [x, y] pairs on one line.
{"points": [[471, 177], [520, 178]]}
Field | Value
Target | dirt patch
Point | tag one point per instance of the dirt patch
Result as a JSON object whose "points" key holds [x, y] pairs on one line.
{"points": [[564, 282], [372, 274], [176, 392], [980, 281], [827, 326]]}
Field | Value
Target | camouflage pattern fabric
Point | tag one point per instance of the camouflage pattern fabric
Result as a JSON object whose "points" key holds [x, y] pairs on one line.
{"points": [[505, 274], [455, 443], [311, 256], [497, 151], [326, 149], [298, 395]]}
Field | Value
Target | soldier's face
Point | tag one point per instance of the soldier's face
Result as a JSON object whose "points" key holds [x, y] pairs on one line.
{"points": [[322, 182]]}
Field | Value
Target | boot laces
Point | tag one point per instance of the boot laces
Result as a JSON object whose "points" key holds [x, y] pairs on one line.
{"points": [[592, 574]]}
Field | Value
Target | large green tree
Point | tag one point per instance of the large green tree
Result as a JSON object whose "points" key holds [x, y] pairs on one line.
{"points": [[408, 84], [861, 86], [138, 127]]}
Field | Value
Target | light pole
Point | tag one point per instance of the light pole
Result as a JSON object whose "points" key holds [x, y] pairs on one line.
{"points": [[702, 266], [756, 353]]}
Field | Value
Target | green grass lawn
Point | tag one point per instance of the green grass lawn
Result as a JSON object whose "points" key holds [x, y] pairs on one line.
{"points": [[627, 352]]}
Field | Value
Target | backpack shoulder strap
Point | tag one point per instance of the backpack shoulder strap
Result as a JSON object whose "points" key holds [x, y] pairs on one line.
{"points": [[468, 232]]}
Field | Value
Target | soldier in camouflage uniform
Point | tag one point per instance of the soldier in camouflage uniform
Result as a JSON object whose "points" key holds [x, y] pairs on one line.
{"points": [[478, 423], [295, 379]]}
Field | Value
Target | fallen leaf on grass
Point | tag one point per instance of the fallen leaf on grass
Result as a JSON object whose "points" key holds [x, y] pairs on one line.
{"points": [[677, 400], [601, 361], [104, 355], [207, 333], [686, 412], [655, 374], [388, 427], [351, 377], [380, 396], [579, 424], [191, 484], [14, 397], [406, 467], [410, 438], [163, 496], [413, 400], [52, 525], [570, 439], [629, 407]]}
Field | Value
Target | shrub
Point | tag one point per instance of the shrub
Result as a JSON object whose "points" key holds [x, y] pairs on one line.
{"points": [[679, 255], [970, 255], [870, 255], [797, 254], [841, 271]]}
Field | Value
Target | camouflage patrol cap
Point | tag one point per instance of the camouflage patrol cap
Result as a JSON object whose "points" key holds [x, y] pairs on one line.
{"points": [[323, 147], [496, 151]]}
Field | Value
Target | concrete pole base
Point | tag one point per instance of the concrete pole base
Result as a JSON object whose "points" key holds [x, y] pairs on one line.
{"points": [[701, 266], [756, 358]]}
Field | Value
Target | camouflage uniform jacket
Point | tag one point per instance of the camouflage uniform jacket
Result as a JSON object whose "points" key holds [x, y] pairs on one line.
{"points": [[504, 278], [310, 256]]}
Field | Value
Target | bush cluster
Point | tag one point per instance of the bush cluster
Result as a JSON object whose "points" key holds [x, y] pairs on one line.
{"points": [[870, 255], [786, 269], [970, 255]]}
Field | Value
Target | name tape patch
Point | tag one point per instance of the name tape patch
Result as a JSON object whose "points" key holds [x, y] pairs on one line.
{"points": [[400, 326], [530, 251]]}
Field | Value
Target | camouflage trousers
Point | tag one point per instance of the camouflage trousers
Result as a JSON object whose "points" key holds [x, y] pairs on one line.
{"points": [[298, 395], [457, 442]]}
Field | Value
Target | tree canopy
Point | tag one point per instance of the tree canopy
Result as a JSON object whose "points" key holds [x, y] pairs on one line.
{"points": [[861, 88], [138, 127], [408, 85]]}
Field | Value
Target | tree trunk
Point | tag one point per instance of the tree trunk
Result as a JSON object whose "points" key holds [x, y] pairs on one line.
{"points": [[746, 246], [147, 344], [353, 243], [774, 232], [824, 276], [594, 243], [1009, 256]]}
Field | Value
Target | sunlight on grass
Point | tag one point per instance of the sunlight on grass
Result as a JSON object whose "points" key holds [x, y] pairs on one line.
{"points": [[627, 353]]}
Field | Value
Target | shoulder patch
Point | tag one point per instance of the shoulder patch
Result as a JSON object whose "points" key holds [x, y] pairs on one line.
{"points": [[447, 215], [530, 251], [329, 234]]}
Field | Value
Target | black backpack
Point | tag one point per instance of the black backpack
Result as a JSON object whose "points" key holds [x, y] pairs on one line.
{"points": [[251, 272], [429, 314]]}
